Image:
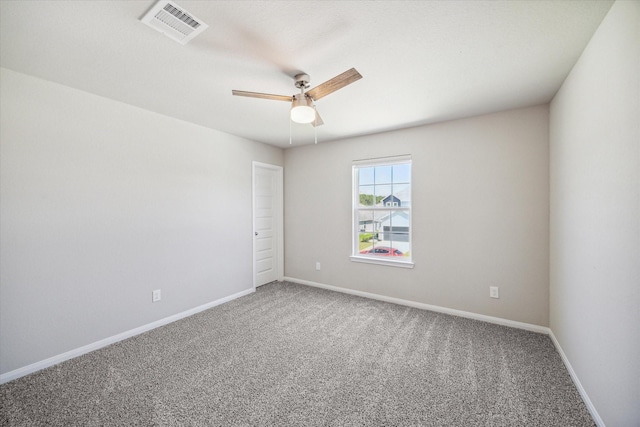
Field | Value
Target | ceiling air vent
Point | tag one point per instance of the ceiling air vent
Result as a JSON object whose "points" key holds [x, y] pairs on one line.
{"points": [[173, 21]]}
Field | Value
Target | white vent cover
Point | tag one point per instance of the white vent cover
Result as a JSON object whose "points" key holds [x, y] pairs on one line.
{"points": [[173, 21]]}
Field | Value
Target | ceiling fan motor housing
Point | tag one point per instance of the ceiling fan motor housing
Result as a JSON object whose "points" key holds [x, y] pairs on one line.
{"points": [[302, 81]]}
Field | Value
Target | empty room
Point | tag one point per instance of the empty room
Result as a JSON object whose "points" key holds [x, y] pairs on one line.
{"points": [[320, 213]]}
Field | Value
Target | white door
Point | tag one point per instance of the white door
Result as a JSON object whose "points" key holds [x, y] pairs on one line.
{"points": [[267, 223]]}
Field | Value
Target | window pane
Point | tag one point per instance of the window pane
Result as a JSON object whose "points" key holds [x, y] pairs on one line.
{"points": [[402, 192], [396, 232], [366, 242], [380, 218], [383, 192], [366, 176], [366, 231], [367, 197], [365, 222], [402, 174], [383, 175]]}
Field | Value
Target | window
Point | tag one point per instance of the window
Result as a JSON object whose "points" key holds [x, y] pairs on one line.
{"points": [[382, 211]]}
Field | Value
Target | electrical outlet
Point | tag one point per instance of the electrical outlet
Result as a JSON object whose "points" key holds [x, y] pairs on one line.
{"points": [[493, 292], [156, 295], [317, 266]]}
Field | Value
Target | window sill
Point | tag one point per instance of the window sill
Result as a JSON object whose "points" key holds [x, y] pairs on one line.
{"points": [[380, 261]]}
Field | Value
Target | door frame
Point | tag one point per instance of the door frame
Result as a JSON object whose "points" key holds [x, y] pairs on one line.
{"points": [[278, 218]]}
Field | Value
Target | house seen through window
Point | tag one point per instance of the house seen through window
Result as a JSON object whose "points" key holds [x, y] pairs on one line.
{"points": [[382, 210]]}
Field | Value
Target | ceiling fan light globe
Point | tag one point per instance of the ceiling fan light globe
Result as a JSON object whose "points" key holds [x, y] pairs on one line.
{"points": [[303, 114]]}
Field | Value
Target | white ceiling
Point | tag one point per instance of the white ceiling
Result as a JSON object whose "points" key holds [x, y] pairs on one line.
{"points": [[421, 62]]}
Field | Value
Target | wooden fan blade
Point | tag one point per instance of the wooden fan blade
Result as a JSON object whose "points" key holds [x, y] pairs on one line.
{"points": [[338, 82], [262, 95], [318, 121]]}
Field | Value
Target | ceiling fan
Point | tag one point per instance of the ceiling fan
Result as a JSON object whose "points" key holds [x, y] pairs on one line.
{"points": [[303, 104]]}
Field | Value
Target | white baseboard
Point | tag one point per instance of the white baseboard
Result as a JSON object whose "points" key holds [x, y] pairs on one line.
{"points": [[26, 370], [576, 381], [423, 306]]}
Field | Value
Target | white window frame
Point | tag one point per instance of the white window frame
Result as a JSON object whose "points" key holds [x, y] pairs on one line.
{"points": [[356, 256]]}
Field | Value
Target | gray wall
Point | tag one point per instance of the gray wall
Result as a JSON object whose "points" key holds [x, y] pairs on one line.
{"points": [[101, 203], [480, 214], [595, 217]]}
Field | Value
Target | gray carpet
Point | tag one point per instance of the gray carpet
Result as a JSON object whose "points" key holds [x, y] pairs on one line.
{"points": [[295, 355]]}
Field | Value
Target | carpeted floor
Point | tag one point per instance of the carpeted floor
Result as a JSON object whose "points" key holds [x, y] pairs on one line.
{"points": [[296, 355]]}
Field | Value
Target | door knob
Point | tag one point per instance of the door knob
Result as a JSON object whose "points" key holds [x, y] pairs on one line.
{"points": [[256, 233]]}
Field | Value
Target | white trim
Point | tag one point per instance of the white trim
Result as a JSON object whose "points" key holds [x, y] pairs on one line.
{"points": [[423, 306], [278, 218], [382, 261], [29, 369], [576, 381]]}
